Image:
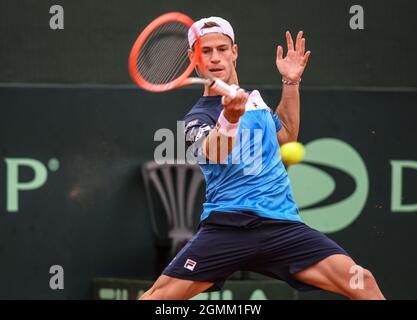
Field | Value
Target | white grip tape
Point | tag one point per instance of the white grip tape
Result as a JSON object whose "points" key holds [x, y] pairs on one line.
{"points": [[225, 89], [225, 127], [234, 88]]}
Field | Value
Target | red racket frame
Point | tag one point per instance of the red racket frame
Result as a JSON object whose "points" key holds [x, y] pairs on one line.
{"points": [[184, 78]]}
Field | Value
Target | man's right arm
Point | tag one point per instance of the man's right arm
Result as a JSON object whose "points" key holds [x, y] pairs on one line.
{"points": [[221, 139]]}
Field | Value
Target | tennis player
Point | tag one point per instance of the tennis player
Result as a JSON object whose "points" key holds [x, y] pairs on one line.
{"points": [[250, 220]]}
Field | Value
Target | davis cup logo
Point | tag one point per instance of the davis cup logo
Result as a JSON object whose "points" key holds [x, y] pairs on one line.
{"points": [[190, 264], [331, 185]]}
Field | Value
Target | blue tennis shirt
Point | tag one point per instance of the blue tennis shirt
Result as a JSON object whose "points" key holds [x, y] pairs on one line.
{"points": [[253, 177]]}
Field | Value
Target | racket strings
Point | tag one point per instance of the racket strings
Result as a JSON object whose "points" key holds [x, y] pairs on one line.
{"points": [[163, 57]]}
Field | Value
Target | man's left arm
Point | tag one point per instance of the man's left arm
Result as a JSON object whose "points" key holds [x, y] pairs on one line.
{"points": [[291, 68]]}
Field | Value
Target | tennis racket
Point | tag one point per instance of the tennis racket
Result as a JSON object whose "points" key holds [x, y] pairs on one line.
{"points": [[159, 61]]}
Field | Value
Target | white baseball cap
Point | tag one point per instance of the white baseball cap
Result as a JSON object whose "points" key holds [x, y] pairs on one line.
{"points": [[223, 27]]}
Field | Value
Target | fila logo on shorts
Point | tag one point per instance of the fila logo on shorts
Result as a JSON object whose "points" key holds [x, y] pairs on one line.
{"points": [[190, 264]]}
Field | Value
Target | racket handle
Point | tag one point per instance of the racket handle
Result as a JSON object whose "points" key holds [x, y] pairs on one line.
{"points": [[223, 88]]}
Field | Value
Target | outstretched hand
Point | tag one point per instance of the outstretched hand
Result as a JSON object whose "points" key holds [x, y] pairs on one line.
{"points": [[292, 66]]}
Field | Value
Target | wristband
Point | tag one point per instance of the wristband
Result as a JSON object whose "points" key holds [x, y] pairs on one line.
{"points": [[290, 82], [225, 127]]}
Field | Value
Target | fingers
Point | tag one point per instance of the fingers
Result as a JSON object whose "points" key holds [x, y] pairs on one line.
{"points": [[290, 44], [299, 57], [235, 108], [279, 52], [305, 58], [241, 96], [226, 99], [302, 47], [298, 42]]}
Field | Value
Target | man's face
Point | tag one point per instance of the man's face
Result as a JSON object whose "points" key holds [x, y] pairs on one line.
{"points": [[219, 55]]}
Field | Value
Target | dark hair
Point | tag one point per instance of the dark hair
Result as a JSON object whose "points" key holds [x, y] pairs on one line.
{"points": [[210, 24]]}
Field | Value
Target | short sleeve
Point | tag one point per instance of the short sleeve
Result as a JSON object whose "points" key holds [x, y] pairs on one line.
{"points": [[277, 122], [197, 127]]}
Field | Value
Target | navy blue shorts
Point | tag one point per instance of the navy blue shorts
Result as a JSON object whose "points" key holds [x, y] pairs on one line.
{"points": [[229, 242]]}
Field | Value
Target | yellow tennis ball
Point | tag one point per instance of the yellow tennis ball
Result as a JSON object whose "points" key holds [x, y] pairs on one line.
{"points": [[292, 152]]}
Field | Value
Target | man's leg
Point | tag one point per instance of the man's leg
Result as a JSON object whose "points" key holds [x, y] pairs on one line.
{"points": [[168, 288], [335, 274]]}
